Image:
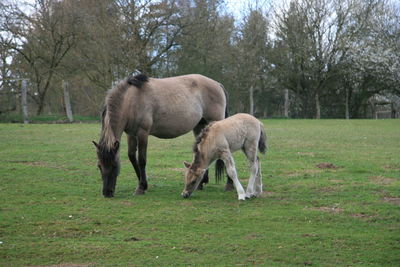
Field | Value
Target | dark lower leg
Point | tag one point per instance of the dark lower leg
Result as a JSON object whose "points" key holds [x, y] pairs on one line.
{"points": [[229, 184], [142, 140], [204, 181]]}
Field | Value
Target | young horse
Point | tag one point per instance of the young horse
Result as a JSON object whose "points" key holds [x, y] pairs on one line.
{"points": [[218, 141], [165, 108]]}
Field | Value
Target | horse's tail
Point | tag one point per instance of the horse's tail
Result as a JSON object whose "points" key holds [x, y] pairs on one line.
{"points": [[220, 165], [226, 102], [219, 170], [262, 142]]}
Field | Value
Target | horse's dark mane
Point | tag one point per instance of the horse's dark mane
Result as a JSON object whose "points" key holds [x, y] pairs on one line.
{"points": [[106, 155], [111, 113], [138, 80]]}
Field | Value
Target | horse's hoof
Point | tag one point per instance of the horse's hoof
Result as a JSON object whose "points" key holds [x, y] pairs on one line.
{"points": [[139, 192], [229, 187]]}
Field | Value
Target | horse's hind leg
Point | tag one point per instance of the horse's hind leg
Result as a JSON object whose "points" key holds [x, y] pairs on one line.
{"points": [[231, 171], [259, 185], [250, 149], [132, 148]]}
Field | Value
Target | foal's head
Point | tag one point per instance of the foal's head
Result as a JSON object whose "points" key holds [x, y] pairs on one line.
{"points": [[108, 163], [193, 176]]}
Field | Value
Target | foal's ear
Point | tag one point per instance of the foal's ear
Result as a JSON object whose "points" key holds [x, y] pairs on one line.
{"points": [[116, 145], [95, 144], [187, 164]]}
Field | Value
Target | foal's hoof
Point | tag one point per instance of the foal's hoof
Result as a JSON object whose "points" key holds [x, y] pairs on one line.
{"points": [[139, 192], [229, 187]]}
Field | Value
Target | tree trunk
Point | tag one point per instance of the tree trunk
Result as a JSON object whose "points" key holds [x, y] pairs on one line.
{"points": [[286, 104], [67, 101], [347, 104], [317, 106], [251, 111], [24, 101]]}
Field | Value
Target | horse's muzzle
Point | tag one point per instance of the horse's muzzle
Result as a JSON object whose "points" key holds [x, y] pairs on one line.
{"points": [[186, 194]]}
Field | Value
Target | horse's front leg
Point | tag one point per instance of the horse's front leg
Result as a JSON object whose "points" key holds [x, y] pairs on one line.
{"points": [[132, 149], [231, 171], [142, 143]]}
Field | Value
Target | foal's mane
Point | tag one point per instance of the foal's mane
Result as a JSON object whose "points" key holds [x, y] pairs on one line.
{"points": [[202, 136], [111, 113]]}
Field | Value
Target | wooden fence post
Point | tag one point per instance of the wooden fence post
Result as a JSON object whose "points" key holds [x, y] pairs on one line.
{"points": [[24, 101], [67, 101]]}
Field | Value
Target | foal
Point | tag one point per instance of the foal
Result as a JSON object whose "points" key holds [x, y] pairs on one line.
{"points": [[218, 141]]}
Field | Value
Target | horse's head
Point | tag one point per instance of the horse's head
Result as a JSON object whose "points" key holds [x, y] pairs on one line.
{"points": [[193, 177], [108, 163]]}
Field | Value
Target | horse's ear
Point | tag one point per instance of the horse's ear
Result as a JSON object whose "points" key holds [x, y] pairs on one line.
{"points": [[116, 145], [187, 164], [95, 144]]}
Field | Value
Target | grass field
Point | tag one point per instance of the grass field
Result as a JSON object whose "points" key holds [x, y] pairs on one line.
{"points": [[52, 211]]}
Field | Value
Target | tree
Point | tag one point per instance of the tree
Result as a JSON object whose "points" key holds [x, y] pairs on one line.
{"points": [[41, 41], [253, 63]]}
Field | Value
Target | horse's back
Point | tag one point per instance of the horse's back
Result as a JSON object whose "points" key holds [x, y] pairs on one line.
{"points": [[238, 129], [177, 104]]}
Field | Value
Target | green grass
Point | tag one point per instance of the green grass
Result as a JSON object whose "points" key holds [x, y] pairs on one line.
{"points": [[52, 211]]}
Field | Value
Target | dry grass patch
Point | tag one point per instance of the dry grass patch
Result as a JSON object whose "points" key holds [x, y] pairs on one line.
{"points": [[392, 200], [382, 180], [326, 165]]}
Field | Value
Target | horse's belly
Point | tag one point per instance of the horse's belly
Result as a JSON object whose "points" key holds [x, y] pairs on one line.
{"points": [[171, 127]]}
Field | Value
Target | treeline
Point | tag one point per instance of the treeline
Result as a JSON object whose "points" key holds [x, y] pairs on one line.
{"points": [[301, 59]]}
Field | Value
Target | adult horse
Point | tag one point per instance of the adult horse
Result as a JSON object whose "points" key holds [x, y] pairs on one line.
{"points": [[166, 108]]}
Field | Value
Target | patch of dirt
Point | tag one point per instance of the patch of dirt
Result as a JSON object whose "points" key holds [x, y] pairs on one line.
{"points": [[362, 215], [328, 209], [266, 194], [311, 154], [391, 167], [252, 236], [127, 203], [30, 163], [326, 165], [392, 200], [382, 180], [336, 181], [302, 172], [309, 235]]}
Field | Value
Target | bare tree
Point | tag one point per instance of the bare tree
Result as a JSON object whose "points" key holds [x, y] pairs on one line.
{"points": [[42, 40]]}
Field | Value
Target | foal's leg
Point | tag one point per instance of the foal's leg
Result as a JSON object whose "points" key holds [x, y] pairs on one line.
{"points": [[250, 149], [142, 141], [259, 185], [132, 148], [231, 171]]}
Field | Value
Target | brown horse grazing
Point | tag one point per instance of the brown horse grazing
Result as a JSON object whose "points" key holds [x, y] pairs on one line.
{"points": [[218, 141], [165, 108]]}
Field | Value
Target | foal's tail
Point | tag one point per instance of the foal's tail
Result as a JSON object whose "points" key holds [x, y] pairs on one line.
{"points": [[262, 143]]}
